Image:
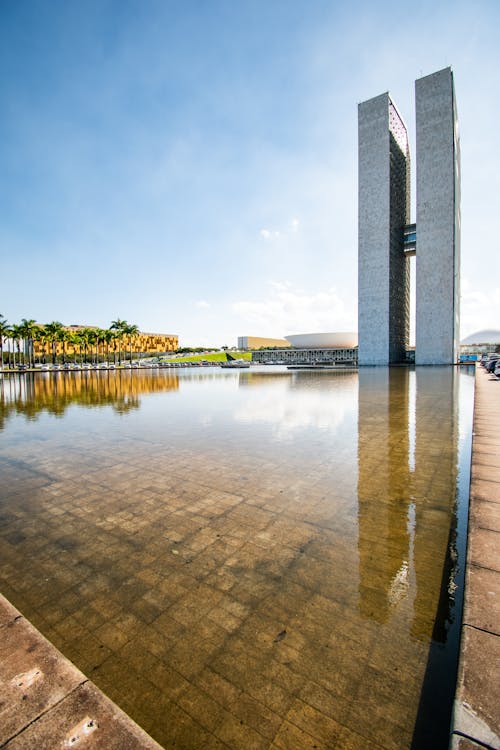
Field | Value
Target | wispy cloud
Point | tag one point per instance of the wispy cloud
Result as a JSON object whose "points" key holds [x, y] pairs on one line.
{"points": [[479, 308], [202, 304], [291, 228], [287, 309]]}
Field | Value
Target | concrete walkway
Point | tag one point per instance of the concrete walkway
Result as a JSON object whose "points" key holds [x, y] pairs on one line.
{"points": [[47, 703], [476, 722]]}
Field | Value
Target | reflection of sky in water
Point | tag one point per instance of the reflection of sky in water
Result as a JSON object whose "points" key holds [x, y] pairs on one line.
{"points": [[319, 504], [297, 402]]}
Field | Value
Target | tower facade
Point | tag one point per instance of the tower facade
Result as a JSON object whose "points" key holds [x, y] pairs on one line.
{"points": [[438, 221], [384, 209], [386, 238]]}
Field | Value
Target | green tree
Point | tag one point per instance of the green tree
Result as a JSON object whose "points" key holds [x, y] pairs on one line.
{"points": [[28, 327], [86, 337], [119, 326], [17, 337], [5, 331], [53, 333], [109, 337], [131, 330], [39, 336]]}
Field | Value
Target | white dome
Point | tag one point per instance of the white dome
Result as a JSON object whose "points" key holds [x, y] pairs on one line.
{"points": [[339, 340], [483, 337]]}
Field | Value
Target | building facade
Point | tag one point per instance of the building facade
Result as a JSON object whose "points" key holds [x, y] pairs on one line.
{"points": [[342, 356], [384, 208], [387, 239], [141, 343], [258, 342]]}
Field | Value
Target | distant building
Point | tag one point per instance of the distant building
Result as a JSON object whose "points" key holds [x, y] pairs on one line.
{"points": [[481, 342], [142, 343], [313, 348], [258, 342]]}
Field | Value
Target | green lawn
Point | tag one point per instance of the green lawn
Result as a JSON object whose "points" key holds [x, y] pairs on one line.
{"points": [[214, 357]]}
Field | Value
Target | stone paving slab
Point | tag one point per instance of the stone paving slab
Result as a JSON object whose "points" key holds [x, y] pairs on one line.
{"points": [[46, 702], [476, 719], [464, 743], [87, 719], [477, 711]]}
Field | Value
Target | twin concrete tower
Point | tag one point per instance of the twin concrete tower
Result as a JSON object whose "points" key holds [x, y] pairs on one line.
{"points": [[387, 239]]}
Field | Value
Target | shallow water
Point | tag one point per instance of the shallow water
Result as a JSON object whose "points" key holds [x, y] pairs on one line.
{"points": [[246, 559]]}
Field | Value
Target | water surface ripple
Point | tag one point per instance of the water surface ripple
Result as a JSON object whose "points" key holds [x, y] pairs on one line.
{"points": [[253, 559]]}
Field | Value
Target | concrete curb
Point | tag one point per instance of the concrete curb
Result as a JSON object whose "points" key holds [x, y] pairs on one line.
{"points": [[476, 715], [46, 702]]}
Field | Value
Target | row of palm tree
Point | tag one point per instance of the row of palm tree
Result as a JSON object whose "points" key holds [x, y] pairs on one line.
{"points": [[26, 334]]}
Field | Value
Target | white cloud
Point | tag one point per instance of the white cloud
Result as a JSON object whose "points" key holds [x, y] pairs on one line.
{"points": [[295, 223], [202, 304], [479, 309], [269, 234], [288, 310]]}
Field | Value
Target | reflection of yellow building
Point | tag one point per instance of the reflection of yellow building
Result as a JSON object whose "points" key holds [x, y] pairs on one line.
{"points": [[55, 392], [144, 343]]}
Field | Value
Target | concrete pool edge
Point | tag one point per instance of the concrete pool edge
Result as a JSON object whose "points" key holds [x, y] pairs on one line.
{"points": [[47, 702], [476, 715]]}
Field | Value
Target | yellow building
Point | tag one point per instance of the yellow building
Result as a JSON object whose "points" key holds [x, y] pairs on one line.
{"points": [[260, 342], [142, 343]]}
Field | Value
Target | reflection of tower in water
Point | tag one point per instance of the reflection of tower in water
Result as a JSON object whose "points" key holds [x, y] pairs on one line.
{"points": [[383, 489], [435, 486], [407, 455]]}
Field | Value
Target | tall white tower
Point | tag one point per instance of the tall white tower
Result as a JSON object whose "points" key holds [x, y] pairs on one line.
{"points": [[386, 239]]}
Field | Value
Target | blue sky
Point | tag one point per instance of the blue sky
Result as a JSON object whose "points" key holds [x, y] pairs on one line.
{"points": [[192, 166]]}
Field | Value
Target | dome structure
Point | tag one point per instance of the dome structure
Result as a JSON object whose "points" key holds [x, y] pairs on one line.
{"points": [[487, 336], [338, 340]]}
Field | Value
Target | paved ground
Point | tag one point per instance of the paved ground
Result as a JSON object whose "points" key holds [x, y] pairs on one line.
{"points": [[46, 702], [477, 706]]}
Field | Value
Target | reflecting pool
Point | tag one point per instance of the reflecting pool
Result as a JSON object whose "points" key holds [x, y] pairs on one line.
{"points": [[246, 559]]}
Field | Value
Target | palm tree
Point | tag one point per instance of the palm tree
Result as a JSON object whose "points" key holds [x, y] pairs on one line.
{"points": [[53, 333], [28, 327], [73, 338], [108, 337], [39, 336], [131, 330], [92, 339], [86, 336], [4, 333], [17, 337], [119, 326]]}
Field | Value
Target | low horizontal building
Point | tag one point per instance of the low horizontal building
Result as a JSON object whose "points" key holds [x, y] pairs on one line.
{"points": [[480, 342], [342, 355], [259, 342], [140, 343]]}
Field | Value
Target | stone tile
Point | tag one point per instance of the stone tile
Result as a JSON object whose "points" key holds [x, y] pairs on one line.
{"points": [[484, 548], [482, 604], [8, 613], [34, 677], [477, 700], [464, 743], [485, 515], [88, 715]]}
